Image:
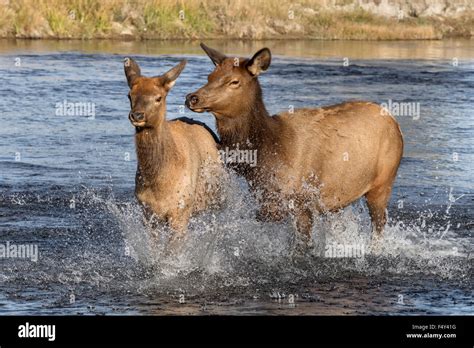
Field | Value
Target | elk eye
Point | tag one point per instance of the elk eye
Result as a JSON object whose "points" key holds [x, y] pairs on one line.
{"points": [[234, 83], [158, 99]]}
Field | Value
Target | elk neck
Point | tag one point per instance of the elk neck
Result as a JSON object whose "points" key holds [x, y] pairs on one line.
{"points": [[156, 149], [252, 126]]}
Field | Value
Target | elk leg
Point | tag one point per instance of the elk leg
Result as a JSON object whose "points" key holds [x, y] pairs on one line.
{"points": [[304, 225], [377, 200], [151, 223], [179, 226], [269, 211]]}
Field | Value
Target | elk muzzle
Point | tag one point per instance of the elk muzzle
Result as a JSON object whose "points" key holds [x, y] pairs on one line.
{"points": [[137, 118], [193, 102]]}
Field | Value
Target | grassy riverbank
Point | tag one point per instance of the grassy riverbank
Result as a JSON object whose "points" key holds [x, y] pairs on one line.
{"points": [[201, 19]]}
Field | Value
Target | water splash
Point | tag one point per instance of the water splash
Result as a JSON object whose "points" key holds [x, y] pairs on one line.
{"points": [[232, 246]]}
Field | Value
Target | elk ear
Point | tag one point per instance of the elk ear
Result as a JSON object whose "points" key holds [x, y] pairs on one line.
{"points": [[169, 78], [216, 57], [259, 62], [132, 70]]}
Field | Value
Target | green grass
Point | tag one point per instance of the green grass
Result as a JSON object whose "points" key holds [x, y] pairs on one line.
{"points": [[176, 21], [57, 22]]}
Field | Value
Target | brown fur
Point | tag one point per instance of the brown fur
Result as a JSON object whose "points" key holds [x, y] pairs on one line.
{"points": [[179, 168], [312, 160]]}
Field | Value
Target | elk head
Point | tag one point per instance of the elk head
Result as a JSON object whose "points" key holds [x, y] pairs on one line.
{"points": [[148, 94], [232, 88]]}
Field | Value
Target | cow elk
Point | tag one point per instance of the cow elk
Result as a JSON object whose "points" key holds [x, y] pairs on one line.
{"points": [[311, 160]]}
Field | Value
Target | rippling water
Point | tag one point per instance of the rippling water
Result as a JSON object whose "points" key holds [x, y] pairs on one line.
{"points": [[67, 186]]}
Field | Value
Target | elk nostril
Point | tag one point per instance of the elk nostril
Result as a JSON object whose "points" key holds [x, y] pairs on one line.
{"points": [[137, 116], [193, 99]]}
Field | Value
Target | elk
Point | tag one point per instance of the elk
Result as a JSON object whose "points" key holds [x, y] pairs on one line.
{"points": [[311, 160], [178, 166]]}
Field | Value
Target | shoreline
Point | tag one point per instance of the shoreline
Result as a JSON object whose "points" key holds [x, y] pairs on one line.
{"points": [[139, 38], [222, 38]]}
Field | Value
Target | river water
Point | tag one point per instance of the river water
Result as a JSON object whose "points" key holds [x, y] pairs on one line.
{"points": [[67, 181]]}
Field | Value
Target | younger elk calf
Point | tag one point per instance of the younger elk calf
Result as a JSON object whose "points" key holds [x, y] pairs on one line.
{"points": [[178, 163]]}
